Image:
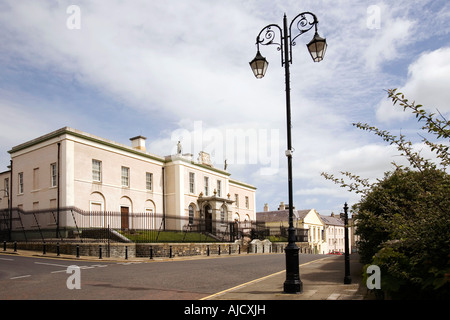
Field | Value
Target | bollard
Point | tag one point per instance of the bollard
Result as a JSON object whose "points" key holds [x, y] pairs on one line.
{"points": [[219, 249], [15, 246], [57, 249], [229, 250], [151, 252], [126, 253], [248, 249], [207, 251], [78, 250], [43, 248], [4, 245], [239, 249], [170, 252], [99, 251]]}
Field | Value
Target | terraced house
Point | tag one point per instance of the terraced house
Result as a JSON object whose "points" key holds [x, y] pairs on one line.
{"points": [[69, 168]]}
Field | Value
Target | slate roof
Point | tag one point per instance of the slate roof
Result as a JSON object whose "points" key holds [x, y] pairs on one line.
{"points": [[280, 215], [332, 220]]}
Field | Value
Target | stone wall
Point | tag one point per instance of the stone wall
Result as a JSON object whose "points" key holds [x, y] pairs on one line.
{"points": [[155, 250]]}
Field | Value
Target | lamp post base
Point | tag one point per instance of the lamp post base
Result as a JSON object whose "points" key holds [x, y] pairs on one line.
{"points": [[293, 284]]}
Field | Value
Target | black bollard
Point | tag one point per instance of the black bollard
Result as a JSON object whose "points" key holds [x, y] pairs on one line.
{"points": [[78, 251], [15, 246], [57, 249], [99, 251], [43, 248], [126, 253], [4, 245], [151, 252]]}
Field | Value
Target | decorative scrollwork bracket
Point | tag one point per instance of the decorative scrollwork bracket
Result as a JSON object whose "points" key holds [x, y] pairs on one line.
{"points": [[268, 35]]}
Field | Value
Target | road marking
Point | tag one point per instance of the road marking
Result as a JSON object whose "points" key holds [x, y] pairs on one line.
{"points": [[6, 259], [52, 264], [253, 281], [25, 276]]}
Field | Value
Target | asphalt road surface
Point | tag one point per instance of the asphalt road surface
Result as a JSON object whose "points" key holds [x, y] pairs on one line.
{"points": [[179, 279]]}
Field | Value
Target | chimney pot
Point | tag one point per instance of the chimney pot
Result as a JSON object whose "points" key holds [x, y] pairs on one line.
{"points": [[138, 143]]}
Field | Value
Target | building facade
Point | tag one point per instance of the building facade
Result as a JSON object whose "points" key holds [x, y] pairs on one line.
{"points": [[325, 234], [335, 234], [307, 220], [69, 168]]}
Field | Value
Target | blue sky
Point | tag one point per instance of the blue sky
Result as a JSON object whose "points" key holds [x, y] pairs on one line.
{"points": [[173, 70]]}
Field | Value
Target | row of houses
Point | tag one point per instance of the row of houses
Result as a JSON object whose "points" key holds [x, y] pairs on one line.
{"points": [[324, 234], [68, 168]]}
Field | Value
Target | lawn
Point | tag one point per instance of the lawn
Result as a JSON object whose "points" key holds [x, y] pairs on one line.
{"points": [[167, 236]]}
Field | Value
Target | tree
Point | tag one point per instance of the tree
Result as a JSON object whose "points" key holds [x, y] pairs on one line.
{"points": [[403, 219]]}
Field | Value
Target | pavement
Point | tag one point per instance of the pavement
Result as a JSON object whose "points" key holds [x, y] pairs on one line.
{"points": [[322, 279]]}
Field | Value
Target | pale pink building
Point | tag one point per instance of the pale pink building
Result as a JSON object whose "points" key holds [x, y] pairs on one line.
{"points": [[68, 168]]}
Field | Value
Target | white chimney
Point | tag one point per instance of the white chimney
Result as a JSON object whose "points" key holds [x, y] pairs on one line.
{"points": [[282, 206], [138, 143], [266, 207]]}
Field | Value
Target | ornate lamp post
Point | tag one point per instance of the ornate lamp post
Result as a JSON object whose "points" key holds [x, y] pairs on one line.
{"points": [[347, 278], [302, 23]]}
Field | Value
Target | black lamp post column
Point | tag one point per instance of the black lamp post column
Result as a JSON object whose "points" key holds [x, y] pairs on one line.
{"points": [[293, 284], [347, 278], [317, 47]]}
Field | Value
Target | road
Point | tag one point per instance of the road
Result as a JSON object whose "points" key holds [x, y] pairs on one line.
{"points": [[37, 278]]}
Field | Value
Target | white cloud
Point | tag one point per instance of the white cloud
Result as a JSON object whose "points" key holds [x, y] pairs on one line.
{"points": [[427, 84]]}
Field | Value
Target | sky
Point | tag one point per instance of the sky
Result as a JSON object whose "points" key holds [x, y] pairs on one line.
{"points": [[177, 70]]}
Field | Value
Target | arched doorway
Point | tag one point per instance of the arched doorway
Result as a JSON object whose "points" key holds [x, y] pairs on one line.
{"points": [[208, 218]]}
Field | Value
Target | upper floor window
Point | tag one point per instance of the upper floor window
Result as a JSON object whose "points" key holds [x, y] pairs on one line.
{"points": [[219, 188], [149, 181], [35, 178], [191, 182], [96, 170], [125, 177], [247, 204], [7, 186], [206, 186], [20, 186], [54, 175]]}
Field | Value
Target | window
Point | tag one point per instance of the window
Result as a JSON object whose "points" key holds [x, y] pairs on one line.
{"points": [[191, 214], [206, 186], [125, 177], [219, 188], [35, 178], [7, 186], [246, 202], [223, 213], [96, 170], [191, 182], [20, 186], [149, 181], [236, 199], [54, 175]]}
